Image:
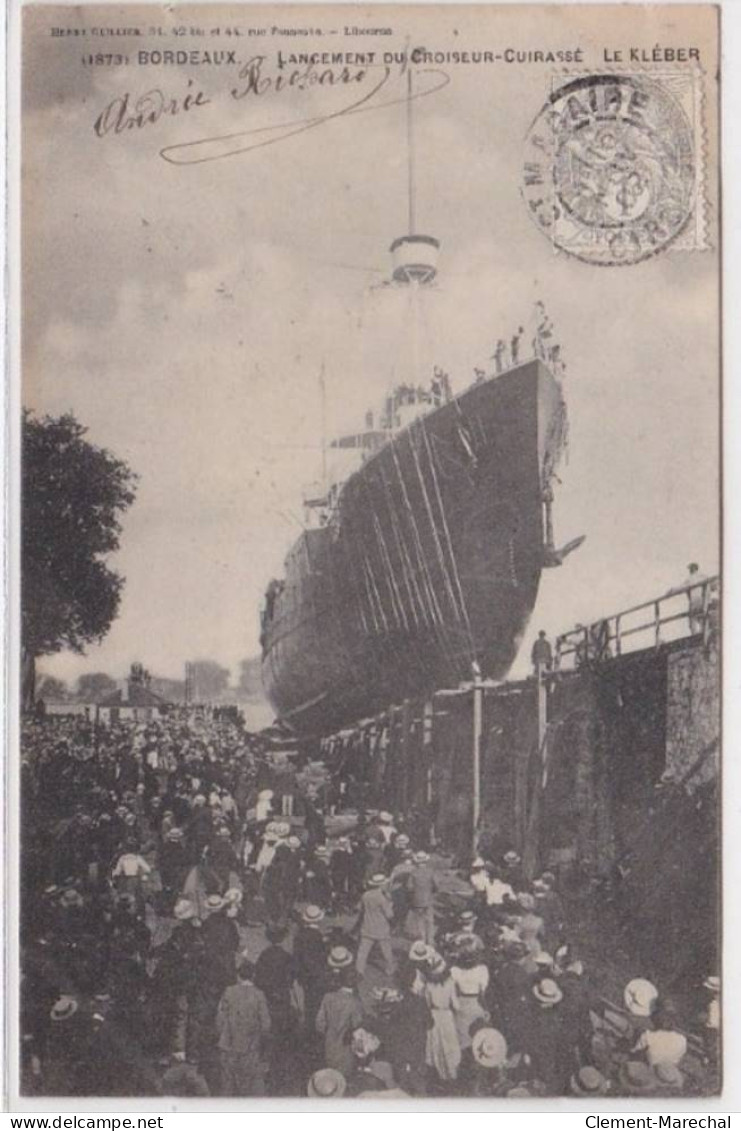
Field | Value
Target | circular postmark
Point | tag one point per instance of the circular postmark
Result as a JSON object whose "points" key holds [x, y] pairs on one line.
{"points": [[609, 170]]}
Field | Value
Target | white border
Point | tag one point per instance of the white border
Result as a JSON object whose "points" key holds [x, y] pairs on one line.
{"points": [[9, 624]]}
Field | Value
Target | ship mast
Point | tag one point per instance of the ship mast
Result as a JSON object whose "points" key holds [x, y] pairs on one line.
{"points": [[410, 150], [414, 254]]}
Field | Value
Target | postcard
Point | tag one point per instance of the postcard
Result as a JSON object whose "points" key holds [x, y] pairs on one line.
{"points": [[370, 551]]}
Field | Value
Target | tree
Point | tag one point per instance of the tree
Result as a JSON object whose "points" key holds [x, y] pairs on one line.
{"points": [[94, 686], [73, 495], [208, 680], [52, 689]]}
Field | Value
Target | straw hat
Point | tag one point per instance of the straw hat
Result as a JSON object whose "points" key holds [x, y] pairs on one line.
{"points": [[321, 851], [384, 817], [548, 992], [712, 983], [339, 958], [402, 840], [184, 909], [175, 834], [489, 1048], [233, 895], [312, 914], [511, 857], [420, 951], [214, 903], [327, 1084], [421, 857], [640, 997], [63, 1008], [589, 1081], [377, 880], [294, 842]]}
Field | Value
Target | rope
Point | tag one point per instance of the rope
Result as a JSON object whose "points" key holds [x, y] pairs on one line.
{"points": [[394, 594], [449, 541], [441, 628], [431, 594], [438, 546], [407, 571]]}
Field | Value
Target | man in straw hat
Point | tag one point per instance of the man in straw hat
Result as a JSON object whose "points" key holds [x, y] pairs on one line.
{"points": [[310, 957], [385, 825], [551, 1054], [64, 1060], [376, 913], [421, 885], [176, 982], [340, 1012], [641, 999], [221, 942]]}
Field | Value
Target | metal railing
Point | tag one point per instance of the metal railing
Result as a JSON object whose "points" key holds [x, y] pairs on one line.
{"points": [[617, 634]]}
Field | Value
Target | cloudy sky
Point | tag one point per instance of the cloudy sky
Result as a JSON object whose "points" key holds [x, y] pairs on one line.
{"points": [[184, 312]]}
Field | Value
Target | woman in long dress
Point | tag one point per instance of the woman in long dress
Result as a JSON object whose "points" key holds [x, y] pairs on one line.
{"points": [[443, 1050], [470, 976]]}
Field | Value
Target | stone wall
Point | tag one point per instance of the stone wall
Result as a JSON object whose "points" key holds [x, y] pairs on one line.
{"points": [[693, 716]]}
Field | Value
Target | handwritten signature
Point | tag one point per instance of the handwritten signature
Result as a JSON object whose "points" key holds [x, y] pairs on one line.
{"points": [[126, 112]]}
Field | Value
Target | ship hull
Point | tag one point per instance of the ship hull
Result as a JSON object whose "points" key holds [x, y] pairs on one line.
{"points": [[431, 563]]}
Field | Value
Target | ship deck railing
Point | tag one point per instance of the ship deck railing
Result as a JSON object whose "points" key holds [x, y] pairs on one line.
{"points": [[688, 610]]}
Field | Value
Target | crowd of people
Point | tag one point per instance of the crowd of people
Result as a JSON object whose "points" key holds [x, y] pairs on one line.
{"points": [[191, 926]]}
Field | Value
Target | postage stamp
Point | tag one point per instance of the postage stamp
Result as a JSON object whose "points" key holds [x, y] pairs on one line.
{"points": [[613, 170]]}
